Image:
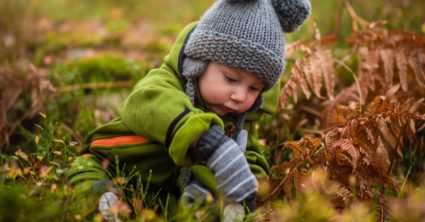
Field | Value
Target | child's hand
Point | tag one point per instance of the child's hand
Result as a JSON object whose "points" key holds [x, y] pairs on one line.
{"points": [[225, 158], [106, 202]]}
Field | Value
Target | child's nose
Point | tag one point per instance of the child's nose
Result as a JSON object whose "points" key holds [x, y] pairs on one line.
{"points": [[239, 94]]}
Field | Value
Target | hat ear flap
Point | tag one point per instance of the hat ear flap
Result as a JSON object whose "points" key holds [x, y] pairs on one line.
{"points": [[291, 13], [193, 68]]}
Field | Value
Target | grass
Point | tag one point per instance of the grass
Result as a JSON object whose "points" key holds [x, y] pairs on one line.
{"points": [[92, 52]]}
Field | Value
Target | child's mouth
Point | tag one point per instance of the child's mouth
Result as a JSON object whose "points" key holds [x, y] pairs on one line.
{"points": [[228, 110]]}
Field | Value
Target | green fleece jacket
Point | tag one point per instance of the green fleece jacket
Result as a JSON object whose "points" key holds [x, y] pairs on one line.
{"points": [[159, 110]]}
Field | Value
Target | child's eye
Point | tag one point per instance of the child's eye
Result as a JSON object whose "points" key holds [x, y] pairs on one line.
{"points": [[230, 79], [254, 88]]}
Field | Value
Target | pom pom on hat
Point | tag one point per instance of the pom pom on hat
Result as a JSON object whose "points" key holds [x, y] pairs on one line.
{"points": [[291, 13]]}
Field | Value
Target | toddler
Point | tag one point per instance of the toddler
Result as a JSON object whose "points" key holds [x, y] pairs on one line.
{"points": [[188, 128]]}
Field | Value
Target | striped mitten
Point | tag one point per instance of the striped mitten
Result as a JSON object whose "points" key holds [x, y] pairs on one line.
{"points": [[225, 158], [195, 193]]}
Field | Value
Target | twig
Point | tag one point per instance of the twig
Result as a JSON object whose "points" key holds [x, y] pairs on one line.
{"points": [[310, 131], [356, 80], [281, 183], [355, 17], [311, 111], [405, 179]]}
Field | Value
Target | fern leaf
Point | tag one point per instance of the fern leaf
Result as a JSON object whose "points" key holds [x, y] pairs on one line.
{"points": [[346, 153], [315, 73], [368, 66], [412, 125], [417, 67], [387, 57], [296, 148], [299, 79], [326, 59], [416, 105], [401, 63], [289, 89], [391, 92], [382, 154], [330, 138], [389, 137]]}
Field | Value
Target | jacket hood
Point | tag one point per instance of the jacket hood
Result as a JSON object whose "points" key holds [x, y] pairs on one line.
{"points": [[176, 56]]}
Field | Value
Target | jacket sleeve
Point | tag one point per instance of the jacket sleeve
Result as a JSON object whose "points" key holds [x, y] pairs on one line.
{"points": [[158, 109], [85, 171]]}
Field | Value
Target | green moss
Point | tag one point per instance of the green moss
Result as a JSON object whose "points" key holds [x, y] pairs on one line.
{"points": [[56, 41], [106, 68]]}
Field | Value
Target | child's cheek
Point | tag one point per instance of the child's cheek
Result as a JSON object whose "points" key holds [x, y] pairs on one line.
{"points": [[250, 102]]}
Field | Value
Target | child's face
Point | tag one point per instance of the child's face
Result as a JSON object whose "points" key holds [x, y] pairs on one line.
{"points": [[228, 90]]}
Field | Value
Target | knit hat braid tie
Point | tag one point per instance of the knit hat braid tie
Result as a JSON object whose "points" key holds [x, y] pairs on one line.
{"points": [[192, 68]]}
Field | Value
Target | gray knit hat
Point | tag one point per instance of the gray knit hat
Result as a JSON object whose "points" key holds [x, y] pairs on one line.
{"points": [[245, 34]]}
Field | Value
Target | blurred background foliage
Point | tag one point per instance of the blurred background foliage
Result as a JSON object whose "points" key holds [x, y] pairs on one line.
{"points": [[66, 66]]}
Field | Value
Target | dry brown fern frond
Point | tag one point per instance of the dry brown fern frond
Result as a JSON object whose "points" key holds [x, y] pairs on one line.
{"points": [[305, 153], [343, 108], [312, 72], [387, 58], [359, 149], [365, 147]]}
